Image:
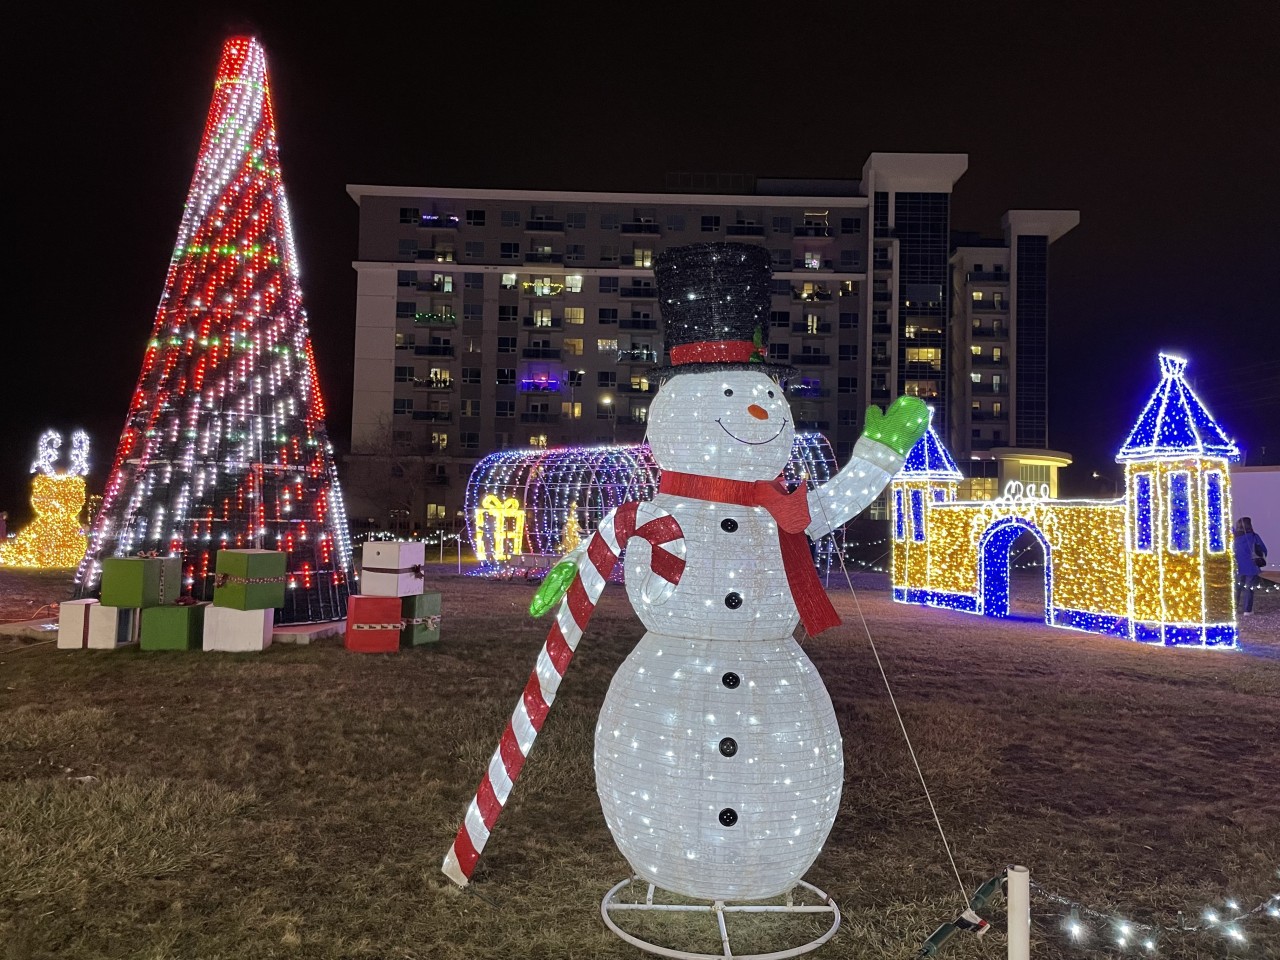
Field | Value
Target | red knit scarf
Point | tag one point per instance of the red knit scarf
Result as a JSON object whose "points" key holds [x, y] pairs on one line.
{"points": [[791, 512]]}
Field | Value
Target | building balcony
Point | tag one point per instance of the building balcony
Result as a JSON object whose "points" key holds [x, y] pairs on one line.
{"points": [[542, 353], [539, 385], [990, 306], [541, 323], [812, 265], [812, 359], [639, 291], [798, 295], [637, 389], [882, 296], [879, 393], [544, 226], [883, 329], [882, 264], [992, 330], [984, 416], [880, 361], [543, 257], [637, 323], [644, 227], [1000, 363], [637, 356], [981, 443], [537, 417], [438, 221], [744, 230], [434, 416], [813, 424], [436, 286], [987, 276], [439, 256], [813, 330], [884, 233], [435, 319], [807, 391], [812, 231], [989, 389], [432, 383], [434, 350]]}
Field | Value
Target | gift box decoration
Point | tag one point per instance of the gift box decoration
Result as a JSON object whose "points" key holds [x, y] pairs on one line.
{"points": [[111, 627], [249, 579], [392, 568], [175, 626], [421, 616], [73, 624], [231, 630], [373, 624], [141, 581]]}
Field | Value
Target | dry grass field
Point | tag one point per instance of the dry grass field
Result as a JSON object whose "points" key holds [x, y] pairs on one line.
{"points": [[298, 803]]}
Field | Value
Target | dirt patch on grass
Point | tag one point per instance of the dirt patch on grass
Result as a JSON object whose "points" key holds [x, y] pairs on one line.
{"points": [[299, 802]]}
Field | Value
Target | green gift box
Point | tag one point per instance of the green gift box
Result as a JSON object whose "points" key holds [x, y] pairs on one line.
{"points": [[141, 581], [421, 614], [249, 579], [175, 626]]}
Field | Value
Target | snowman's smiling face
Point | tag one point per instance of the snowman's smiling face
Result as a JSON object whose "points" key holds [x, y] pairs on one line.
{"points": [[731, 423]]}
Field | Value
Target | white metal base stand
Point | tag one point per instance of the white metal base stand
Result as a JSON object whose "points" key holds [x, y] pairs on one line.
{"points": [[719, 908]]}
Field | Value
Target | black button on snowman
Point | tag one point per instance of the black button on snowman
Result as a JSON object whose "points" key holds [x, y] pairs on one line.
{"points": [[718, 756]]}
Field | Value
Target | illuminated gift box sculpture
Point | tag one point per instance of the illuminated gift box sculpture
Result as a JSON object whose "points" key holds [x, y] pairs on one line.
{"points": [[1154, 566]]}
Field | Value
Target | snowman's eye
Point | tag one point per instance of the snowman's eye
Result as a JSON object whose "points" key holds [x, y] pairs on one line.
{"points": [[770, 394], [728, 392]]}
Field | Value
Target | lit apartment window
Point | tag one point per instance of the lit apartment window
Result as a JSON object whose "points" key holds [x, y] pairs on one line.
{"points": [[573, 346], [439, 441], [469, 408], [997, 408], [607, 345], [575, 315], [812, 260], [929, 355], [976, 350], [996, 353], [812, 323], [642, 257], [509, 281], [572, 410], [977, 295], [573, 283], [542, 317], [444, 253], [975, 377]]}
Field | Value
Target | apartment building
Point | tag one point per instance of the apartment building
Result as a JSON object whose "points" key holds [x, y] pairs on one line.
{"points": [[998, 420], [488, 319]]}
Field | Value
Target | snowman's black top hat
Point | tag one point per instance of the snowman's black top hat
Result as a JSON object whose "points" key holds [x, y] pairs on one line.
{"points": [[715, 308]]}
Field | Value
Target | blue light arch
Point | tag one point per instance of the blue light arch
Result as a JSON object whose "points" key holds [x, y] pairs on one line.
{"points": [[993, 565]]}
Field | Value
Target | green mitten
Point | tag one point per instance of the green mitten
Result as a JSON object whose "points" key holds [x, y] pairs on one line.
{"points": [[900, 428], [554, 587]]}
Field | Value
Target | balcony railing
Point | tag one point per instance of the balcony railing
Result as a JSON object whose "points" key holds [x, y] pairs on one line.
{"points": [[435, 319], [798, 294], [543, 257], [436, 221], [989, 361], [644, 291], [882, 296], [528, 417], [542, 353], [812, 359], [432, 383], [880, 360], [882, 264], [806, 391], [811, 265], [811, 230], [985, 415], [881, 328], [990, 306], [744, 230], [544, 226], [538, 323], [439, 256], [437, 286], [994, 330], [637, 356], [635, 388], [434, 350], [990, 389], [987, 276], [813, 424], [811, 329], [434, 416], [885, 233], [637, 323], [641, 226]]}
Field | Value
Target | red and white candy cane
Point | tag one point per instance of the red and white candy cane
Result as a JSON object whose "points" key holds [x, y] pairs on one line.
{"points": [[666, 540]]}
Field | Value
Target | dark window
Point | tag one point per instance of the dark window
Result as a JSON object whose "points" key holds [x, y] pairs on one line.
{"points": [[475, 218], [710, 224], [409, 215]]}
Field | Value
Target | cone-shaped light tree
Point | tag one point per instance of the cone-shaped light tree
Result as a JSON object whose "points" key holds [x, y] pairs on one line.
{"points": [[225, 445]]}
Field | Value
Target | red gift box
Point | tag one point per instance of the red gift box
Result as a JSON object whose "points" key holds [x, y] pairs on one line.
{"points": [[373, 624]]}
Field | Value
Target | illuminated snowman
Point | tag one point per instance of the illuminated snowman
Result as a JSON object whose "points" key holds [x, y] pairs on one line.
{"points": [[718, 756]]}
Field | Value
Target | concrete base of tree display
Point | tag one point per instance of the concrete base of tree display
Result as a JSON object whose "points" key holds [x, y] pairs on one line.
{"points": [[802, 900]]}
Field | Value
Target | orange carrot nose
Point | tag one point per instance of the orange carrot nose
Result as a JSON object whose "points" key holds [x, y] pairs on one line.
{"points": [[757, 411]]}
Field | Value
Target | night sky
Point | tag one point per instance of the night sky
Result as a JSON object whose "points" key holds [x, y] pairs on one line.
{"points": [[1158, 123]]}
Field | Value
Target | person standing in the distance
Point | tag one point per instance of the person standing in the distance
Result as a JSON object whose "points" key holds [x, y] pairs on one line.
{"points": [[1251, 557]]}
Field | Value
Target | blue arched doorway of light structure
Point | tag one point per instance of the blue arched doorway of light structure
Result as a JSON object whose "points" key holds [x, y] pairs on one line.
{"points": [[994, 563]]}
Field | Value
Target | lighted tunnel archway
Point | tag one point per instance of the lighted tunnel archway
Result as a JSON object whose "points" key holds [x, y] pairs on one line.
{"points": [[994, 564]]}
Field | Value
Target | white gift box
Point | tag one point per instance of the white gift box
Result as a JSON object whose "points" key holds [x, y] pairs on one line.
{"points": [[73, 624], [111, 627], [237, 631], [392, 568]]}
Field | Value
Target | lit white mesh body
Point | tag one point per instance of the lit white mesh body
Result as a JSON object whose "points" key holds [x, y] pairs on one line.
{"points": [[664, 781]]}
